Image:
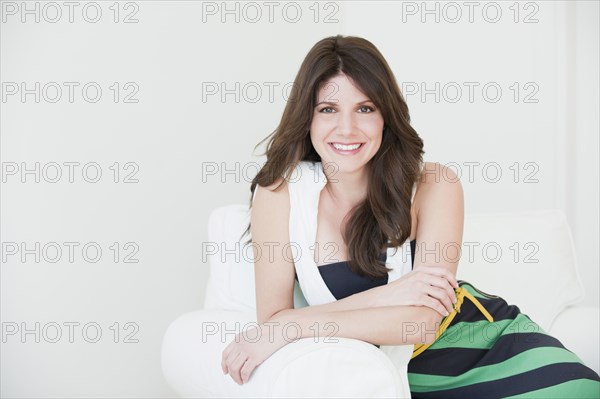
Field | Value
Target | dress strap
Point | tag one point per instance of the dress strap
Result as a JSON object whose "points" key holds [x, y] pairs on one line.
{"points": [[461, 293]]}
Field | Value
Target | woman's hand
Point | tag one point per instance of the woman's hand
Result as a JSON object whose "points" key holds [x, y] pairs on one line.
{"points": [[431, 286], [252, 347]]}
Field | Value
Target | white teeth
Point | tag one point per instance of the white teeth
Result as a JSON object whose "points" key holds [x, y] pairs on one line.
{"points": [[346, 147]]}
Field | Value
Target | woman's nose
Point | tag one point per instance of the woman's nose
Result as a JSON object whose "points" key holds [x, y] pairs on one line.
{"points": [[346, 124]]}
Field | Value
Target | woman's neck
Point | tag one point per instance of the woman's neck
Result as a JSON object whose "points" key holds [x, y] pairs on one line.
{"points": [[346, 190]]}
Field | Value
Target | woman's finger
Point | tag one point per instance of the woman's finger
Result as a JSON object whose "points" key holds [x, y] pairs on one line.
{"points": [[236, 366], [441, 271], [224, 360], [443, 284], [438, 280], [229, 362], [246, 370], [434, 304], [442, 296]]}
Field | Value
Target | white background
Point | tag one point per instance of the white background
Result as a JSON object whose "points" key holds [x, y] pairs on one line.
{"points": [[177, 49]]}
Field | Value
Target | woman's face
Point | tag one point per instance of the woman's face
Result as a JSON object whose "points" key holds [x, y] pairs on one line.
{"points": [[345, 116]]}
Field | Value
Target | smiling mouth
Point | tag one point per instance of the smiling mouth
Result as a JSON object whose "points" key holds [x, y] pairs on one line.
{"points": [[346, 149]]}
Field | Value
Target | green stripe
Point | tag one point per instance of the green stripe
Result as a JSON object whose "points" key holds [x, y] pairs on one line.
{"points": [[469, 335], [482, 334], [473, 292], [521, 363], [582, 388]]}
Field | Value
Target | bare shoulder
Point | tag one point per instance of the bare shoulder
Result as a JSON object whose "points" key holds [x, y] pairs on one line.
{"points": [[271, 203], [438, 199], [278, 186], [275, 194], [437, 184]]}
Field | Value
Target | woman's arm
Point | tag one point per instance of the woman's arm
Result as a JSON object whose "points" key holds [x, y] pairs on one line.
{"points": [[365, 299], [440, 221], [385, 325]]}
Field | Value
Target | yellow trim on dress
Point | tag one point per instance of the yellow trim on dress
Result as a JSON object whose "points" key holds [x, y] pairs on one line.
{"points": [[461, 293]]}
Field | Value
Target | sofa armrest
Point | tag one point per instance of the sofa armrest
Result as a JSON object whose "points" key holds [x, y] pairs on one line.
{"points": [[191, 363], [578, 328]]}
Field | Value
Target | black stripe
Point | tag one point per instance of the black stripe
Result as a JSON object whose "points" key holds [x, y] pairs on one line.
{"points": [[446, 361], [539, 378], [456, 361], [512, 344], [497, 307]]}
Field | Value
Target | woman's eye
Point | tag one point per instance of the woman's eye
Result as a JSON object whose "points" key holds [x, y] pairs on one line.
{"points": [[363, 108]]}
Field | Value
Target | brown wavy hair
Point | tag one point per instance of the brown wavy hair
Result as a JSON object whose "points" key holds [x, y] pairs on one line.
{"points": [[385, 213]]}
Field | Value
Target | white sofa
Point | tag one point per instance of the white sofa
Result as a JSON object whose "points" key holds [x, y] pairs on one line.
{"points": [[528, 258]]}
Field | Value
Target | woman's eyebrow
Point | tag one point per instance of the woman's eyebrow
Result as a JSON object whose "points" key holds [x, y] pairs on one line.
{"points": [[335, 103]]}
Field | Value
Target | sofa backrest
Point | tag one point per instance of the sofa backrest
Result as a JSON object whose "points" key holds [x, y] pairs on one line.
{"points": [[527, 258], [231, 278]]}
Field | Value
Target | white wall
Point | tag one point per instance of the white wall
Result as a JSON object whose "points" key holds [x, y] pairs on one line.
{"points": [[171, 133], [545, 145]]}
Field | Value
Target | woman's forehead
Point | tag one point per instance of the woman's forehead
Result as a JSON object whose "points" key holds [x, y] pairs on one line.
{"points": [[340, 88]]}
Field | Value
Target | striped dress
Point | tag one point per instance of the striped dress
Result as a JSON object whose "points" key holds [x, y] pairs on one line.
{"points": [[509, 356], [485, 348]]}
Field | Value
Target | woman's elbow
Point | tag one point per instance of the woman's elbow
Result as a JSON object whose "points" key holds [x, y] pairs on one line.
{"points": [[426, 325]]}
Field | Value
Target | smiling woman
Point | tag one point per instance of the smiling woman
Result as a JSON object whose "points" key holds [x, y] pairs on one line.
{"points": [[349, 126]]}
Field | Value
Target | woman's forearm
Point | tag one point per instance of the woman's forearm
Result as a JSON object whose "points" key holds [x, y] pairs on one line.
{"points": [[385, 325], [365, 299]]}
